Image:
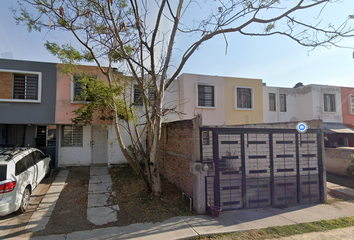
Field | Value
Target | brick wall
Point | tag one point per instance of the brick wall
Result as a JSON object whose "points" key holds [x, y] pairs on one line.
{"points": [[175, 156], [6, 85]]}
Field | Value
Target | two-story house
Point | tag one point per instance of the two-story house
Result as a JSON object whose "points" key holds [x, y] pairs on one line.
{"points": [[37, 101], [27, 104], [332, 104], [221, 100]]}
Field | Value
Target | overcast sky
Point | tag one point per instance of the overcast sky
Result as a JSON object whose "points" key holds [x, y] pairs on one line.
{"points": [[278, 61]]}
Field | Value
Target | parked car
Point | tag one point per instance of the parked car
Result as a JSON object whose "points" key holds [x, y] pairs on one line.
{"points": [[21, 170]]}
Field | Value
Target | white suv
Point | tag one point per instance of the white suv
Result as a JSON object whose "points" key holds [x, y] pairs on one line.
{"points": [[21, 170]]}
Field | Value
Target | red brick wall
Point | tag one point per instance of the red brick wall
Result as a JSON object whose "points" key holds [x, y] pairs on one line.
{"points": [[175, 160]]}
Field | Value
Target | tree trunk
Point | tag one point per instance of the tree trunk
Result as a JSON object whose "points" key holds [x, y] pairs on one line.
{"points": [[133, 162], [154, 151]]}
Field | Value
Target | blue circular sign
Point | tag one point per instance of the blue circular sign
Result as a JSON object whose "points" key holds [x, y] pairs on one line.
{"points": [[301, 127]]}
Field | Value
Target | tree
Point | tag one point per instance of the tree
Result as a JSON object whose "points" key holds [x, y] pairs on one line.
{"points": [[142, 35]]}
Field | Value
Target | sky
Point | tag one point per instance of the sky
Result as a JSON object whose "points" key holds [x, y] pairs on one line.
{"points": [[278, 61]]}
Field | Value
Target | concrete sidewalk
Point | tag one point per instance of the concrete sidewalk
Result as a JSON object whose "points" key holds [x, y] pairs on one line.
{"points": [[186, 227]]}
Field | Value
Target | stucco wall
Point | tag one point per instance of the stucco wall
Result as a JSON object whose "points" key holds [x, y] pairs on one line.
{"points": [[188, 98], [318, 103], [44, 110], [236, 116], [76, 156], [115, 155], [64, 106], [338, 159]]}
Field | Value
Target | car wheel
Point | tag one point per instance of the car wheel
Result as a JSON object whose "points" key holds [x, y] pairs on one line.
{"points": [[25, 201], [49, 170]]}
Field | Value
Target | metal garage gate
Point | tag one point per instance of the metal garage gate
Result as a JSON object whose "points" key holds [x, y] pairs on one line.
{"points": [[251, 168]]}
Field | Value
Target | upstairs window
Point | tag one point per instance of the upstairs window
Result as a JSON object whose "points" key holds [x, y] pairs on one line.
{"points": [[206, 96], [138, 99], [282, 102], [25, 86], [351, 103], [272, 103], [72, 136], [329, 103], [244, 98], [80, 93]]}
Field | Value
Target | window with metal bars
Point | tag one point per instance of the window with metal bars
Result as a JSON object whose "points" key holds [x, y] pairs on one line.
{"points": [[72, 136], [243, 98], [80, 90], [138, 99], [351, 103], [329, 102], [25, 86], [206, 96]]}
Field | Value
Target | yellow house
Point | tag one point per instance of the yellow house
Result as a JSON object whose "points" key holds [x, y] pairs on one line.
{"points": [[221, 100], [243, 101]]}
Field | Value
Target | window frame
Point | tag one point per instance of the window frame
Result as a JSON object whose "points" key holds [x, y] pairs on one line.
{"points": [[72, 138], [274, 109], [280, 108], [139, 100], [39, 86], [351, 104], [214, 95], [252, 98], [73, 86], [334, 103]]}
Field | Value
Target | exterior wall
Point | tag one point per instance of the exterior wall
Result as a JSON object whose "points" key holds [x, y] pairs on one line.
{"points": [[171, 101], [115, 155], [64, 106], [188, 98], [176, 154], [235, 116], [348, 118], [76, 156], [338, 159], [296, 106], [318, 103], [303, 103], [22, 112]]}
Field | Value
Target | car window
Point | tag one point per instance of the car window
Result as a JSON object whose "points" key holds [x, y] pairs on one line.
{"points": [[3, 169], [37, 156], [23, 164]]}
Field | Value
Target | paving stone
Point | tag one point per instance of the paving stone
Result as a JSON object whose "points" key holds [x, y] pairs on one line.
{"points": [[116, 207], [98, 200], [100, 187], [101, 215]]}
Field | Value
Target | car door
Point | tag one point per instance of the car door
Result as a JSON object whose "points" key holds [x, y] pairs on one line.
{"points": [[39, 163]]}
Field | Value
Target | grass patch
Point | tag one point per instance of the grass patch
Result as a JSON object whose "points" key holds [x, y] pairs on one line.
{"points": [[284, 231], [138, 205]]}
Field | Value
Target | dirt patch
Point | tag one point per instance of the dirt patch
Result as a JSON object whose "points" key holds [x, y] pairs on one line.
{"points": [[136, 204]]}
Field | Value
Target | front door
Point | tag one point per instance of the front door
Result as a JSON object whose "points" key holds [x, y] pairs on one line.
{"points": [[99, 145]]}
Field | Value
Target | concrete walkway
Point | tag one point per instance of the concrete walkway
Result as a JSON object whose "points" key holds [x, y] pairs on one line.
{"points": [[43, 212], [99, 209], [340, 188]]}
